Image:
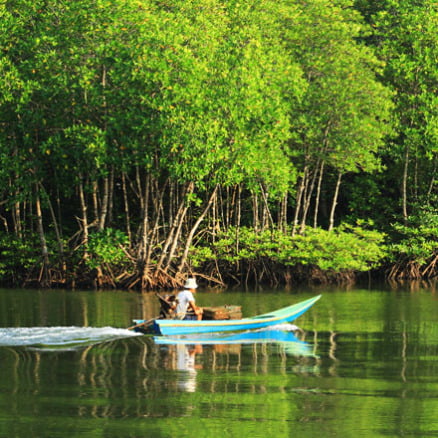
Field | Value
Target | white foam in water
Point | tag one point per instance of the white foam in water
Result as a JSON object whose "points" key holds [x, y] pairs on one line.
{"points": [[60, 336], [286, 327]]}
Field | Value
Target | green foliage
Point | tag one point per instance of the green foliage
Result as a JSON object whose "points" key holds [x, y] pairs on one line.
{"points": [[406, 33], [237, 94], [17, 256], [221, 90], [416, 241], [106, 247], [346, 111], [346, 248]]}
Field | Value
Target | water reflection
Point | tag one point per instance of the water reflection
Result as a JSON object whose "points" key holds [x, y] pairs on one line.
{"points": [[283, 336], [219, 352], [372, 372], [140, 377], [141, 370], [186, 364]]}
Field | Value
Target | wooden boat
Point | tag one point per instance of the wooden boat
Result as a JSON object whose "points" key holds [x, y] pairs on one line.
{"points": [[183, 327]]}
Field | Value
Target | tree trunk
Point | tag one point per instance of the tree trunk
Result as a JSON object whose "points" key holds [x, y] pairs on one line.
{"points": [[44, 278], [142, 249], [55, 223], [300, 192], [110, 198], [5, 223], [173, 202], [239, 206], [84, 218], [104, 204], [334, 203], [229, 207], [405, 185], [307, 198], [176, 238], [194, 228], [282, 217], [18, 228], [238, 220], [318, 194], [96, 201], [153, 239], [127, 210], [267, 216], [432, 179], [16, 212], [175, 230], [214, 217], [255, 211]]}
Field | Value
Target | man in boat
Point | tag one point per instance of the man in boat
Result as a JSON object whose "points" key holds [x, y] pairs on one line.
{"points": [[186, 307]]}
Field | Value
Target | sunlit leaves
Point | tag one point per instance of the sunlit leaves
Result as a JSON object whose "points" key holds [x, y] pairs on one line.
{"points": [[207, 94], [346, 248], [407, 41], [219, 91], [346, 111], [208, 91]]}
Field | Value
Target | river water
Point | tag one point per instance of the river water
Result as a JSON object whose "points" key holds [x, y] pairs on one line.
{"points": [[365, 364]]}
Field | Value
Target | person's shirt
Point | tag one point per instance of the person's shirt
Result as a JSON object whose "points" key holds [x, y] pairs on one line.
{"points": [[184, 298]]}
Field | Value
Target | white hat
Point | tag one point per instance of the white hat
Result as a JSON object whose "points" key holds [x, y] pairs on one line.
{"points": [[191, 283]]}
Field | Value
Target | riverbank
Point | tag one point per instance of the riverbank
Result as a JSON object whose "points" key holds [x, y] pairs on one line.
{"points": [[241, 257]]}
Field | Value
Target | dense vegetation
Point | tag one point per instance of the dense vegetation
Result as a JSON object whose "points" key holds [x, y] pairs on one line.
{"points": [[268, 141]]}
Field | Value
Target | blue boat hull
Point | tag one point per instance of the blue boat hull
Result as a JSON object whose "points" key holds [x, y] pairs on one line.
{"points": [[182, 327]]}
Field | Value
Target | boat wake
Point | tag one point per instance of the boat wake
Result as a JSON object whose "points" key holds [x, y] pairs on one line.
{"points": [[285, 327], [60, 338]]}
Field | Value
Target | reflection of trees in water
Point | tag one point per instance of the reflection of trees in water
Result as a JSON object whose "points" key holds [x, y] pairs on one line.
{"points": [[135, 376]]}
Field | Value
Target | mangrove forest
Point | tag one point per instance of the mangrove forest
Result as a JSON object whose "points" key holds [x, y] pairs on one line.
{"points": [[244, 142]]}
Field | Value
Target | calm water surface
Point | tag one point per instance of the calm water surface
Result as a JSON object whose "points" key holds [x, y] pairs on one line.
{"points": [[366, 365]]}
